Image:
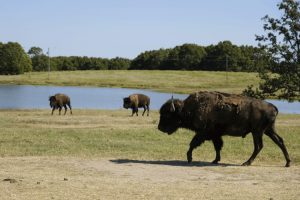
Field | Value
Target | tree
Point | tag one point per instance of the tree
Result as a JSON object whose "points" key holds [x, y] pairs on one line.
{"points": [[221, 54], [186, 56], [38, 58], [282, 42], [13, 59], [118, 63], [150, 60], [35, 51]]}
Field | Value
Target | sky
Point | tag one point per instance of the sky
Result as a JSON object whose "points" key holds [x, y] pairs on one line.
{"points": [[126, 28]]}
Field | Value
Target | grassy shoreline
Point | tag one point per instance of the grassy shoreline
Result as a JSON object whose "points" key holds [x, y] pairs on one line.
{"points": [[183, 82]]}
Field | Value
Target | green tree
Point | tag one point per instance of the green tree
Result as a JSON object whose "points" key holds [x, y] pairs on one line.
{"points": [[13, 59], [186, 56], [150, 59], [223, 56], [38, 58], [39, 62], [282, 42], [35, 51], [118, 63]]}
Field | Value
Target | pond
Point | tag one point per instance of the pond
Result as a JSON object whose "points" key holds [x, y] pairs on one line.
{"points": [[36, 97]]}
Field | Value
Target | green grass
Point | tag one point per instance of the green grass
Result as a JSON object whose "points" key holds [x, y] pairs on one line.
{"points": [[114, 134], [167, 81]]}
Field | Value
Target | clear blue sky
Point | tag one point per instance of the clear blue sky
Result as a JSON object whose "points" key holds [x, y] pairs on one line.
{"points": [[125, 28]]}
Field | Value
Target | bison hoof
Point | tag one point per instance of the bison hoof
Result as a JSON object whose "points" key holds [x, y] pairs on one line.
{"points": [[246, 163], [215, 162], [288, 164]]}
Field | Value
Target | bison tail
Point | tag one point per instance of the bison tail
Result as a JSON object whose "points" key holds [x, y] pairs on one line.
{"points": [[276, 109]]}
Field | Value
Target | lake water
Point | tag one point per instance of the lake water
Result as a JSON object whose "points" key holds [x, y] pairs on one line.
{"points": [[36, 97]]}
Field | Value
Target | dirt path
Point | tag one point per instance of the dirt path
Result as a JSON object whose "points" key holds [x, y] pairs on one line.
{"points": [[76, 178]]}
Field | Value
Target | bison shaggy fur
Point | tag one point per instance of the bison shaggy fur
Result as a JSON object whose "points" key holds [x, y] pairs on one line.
{"points": [[136, 101], [214, 114], [58, 101]]}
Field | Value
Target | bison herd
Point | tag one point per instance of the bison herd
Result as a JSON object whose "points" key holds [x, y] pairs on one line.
{"points": [[210, 115]]}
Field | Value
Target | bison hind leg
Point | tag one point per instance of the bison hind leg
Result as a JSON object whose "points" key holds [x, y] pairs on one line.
{"points": [[271, 132], [144, 110], [70, 108], [65, 109], [147, 110]]}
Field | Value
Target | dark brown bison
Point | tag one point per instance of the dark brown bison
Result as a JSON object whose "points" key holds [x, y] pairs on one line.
{"points": [[58, 101], [136, 101], [213, 114]]}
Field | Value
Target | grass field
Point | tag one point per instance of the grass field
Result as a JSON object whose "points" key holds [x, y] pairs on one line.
{"points": [[167, 81], [97, 133], [98, 154]]}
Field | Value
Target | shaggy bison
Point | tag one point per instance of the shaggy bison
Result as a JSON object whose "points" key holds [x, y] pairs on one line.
{"points": [[136, 101], [213, 114], [58, 101]]}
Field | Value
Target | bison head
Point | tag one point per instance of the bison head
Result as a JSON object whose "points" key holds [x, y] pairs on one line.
{"points": [[126, 103], [170, 116], [52, 100]]}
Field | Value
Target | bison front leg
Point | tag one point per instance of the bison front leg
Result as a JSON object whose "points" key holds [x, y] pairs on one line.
{"points": [[52, 110], [196, 141], [218, 144], [59, 109], [258, 145]]}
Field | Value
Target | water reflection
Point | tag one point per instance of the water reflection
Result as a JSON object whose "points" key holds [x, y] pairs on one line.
{"points": [[35, 97]]}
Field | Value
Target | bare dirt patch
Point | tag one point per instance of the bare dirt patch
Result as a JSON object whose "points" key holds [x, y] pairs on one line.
{"points": [[79, 178]]}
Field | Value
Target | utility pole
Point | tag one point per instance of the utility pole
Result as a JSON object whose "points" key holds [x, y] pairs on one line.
{"points": [[48, 63], [226, 68]]}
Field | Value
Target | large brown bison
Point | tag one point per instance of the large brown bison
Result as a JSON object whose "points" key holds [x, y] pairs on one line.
{"points": [[58, 101], [213, 114], [136, 101]]}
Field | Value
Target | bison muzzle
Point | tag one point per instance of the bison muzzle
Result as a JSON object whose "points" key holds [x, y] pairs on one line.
{"points": [[58, 101], [214, 114]]}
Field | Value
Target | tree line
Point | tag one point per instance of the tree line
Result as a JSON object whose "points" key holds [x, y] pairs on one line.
{"points": [[220, 57], [224, 56], [40, 62]]}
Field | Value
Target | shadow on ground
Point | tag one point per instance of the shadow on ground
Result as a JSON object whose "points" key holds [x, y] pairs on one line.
{"points": [[179, 163]]}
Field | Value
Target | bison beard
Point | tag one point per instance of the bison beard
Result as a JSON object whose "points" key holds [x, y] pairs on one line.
{"points": [[213, 114]]}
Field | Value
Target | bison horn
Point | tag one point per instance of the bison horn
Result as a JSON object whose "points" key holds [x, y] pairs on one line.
{"points": [[172, 104]]}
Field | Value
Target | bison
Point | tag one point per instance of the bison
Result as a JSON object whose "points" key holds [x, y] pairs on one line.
{"points": [[58, 101], [214, 114], [136, 101]]}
